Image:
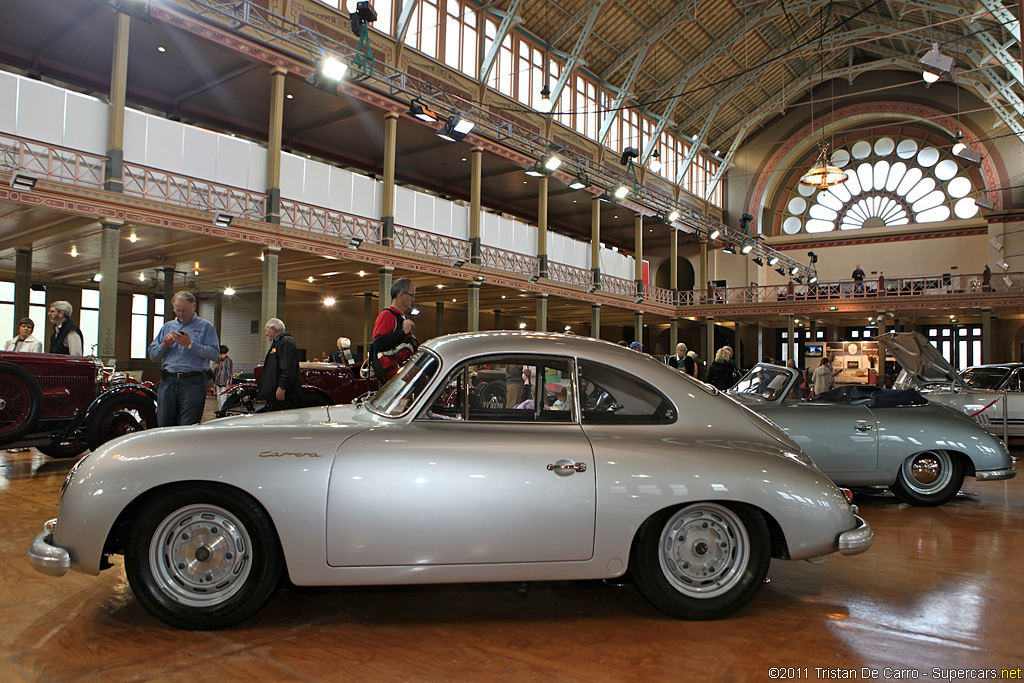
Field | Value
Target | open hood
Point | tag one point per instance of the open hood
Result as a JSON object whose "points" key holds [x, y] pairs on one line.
{"points": [[919, 358]]}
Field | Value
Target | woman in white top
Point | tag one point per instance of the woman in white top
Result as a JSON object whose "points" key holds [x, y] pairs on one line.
{"points": [[25, 342]]}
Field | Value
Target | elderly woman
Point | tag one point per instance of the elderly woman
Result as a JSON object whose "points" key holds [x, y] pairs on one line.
{"points": [[722, 373]]}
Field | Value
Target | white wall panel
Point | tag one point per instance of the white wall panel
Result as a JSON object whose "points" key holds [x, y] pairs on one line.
{"points": [[8, 103], [85, 123], [524, 238], [364, 201], [340, 198], [424, 212], [233, 162], [165, 141], [489, 229], [200, 153], [135, 125], [40, 112], [556, 247], [316, 190], [292, 170], [256, 179], [405, 206], [460, 221]]}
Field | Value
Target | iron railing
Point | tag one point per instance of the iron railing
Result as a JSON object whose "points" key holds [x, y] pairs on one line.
{"points": [[51, 162], [330, 223], [192, 193]]}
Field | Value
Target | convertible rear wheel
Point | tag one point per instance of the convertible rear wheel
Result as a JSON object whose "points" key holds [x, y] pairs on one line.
{"points": [[929, 478], [701, 561], [204, 557]]}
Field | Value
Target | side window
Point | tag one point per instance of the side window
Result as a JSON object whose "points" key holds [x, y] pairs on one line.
{"points": [[610, 396], [1014, 383], [507, 389]]}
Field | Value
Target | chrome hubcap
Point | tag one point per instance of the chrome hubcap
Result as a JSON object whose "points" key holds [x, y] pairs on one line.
{"points": [[704, 550], [926, 470], [200, 555]]}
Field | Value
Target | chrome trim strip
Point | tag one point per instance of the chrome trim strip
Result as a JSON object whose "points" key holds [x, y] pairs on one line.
{"points": [[856, 540], [48, 558], [992, 475]]}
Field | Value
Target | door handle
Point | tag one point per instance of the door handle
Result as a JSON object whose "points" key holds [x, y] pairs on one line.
{"points": [[864, 427], [566, 467]]}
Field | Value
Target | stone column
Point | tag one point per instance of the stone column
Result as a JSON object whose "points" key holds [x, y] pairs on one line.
{"points": [[542, 312], [595, 321], [276, 128], [22, 285], [388, 195], [542, 232], [268, 301], [384, 288], [113, 180], [473, 308], [169, 291], [595, 241], [110, 246], [476, 170]]}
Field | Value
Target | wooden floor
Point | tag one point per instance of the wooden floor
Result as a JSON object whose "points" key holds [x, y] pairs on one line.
{"points": [[942, 588]]}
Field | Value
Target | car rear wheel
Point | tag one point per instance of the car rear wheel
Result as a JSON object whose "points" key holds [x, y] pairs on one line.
{"points": [[203, 558], [929, 478], [701, 561], [21, 401], [120, 415]]}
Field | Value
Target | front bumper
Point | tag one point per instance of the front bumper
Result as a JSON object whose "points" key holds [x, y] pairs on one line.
{"points": [[46, 557], [991, 475], [856, 540]]}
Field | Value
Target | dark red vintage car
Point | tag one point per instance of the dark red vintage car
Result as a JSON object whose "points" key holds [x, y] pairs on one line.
{"points": [[63, 405], [323, 384]]}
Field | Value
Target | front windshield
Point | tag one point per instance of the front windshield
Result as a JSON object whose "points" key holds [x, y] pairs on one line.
{"points": [[984, 378], [764, 381], [397, 396]]}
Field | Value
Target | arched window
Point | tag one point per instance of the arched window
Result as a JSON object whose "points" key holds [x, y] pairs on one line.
{"points": [[893, 180]]}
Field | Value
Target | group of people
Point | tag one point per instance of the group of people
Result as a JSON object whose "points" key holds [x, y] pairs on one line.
{"points": [[66, 338]]}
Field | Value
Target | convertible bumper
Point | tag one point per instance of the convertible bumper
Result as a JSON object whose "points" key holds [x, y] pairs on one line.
{"points": [[856, 540], [991, 475], [47, 558]]}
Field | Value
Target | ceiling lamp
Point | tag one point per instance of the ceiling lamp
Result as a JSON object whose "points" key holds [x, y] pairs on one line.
{"points": [[794, 270], [729, 249], [673, 215], [823, 174], [938, 65], [628, 155], [422, 113], [580, 182], [714, 234], [961, 150], [455, 128], [655, 161], [329, 72], [758, 260], [772, 260], [545, 104], [535, 171], [746, 248], [620, 192], [552, 162]]}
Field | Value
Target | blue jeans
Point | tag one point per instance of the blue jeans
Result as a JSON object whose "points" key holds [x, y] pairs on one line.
{"points": [[180, 400]]}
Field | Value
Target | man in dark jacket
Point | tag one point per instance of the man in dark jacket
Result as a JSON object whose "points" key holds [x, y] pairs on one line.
{"points": [[280, 384], [67, 338], [393, 339]]}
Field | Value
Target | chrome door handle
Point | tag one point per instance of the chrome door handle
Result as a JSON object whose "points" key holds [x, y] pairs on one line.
{"points": [[568, 467], [864, 428]]}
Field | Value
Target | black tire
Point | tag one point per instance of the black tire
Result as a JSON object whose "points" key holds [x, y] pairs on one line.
{"points": [[242, 402], [120, 415], [701, 561], [492, 394], [21, 401], [68, 449], [929, 478], [203, 557]]}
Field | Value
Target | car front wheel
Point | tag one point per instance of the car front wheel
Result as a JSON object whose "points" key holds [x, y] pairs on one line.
{"points": [[929, 478], [703, 560], [121, 415], [203, 557]]}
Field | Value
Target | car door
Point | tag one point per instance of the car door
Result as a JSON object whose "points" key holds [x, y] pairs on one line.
{"points": [[838, 437], [1014, 387], [469, 481]]}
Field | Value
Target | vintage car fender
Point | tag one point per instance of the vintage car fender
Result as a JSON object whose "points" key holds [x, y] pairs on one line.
{"points": [[101, 401], [288, 475]]}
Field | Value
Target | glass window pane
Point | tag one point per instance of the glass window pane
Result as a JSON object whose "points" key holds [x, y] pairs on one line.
{"points": [[90, 298]]}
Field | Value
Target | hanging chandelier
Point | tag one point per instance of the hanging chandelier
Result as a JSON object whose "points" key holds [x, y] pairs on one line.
{"points": [[823, 174]]}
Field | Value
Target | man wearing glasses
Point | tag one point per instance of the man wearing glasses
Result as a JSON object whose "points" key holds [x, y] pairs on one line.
{"points": [[393, 340], [184, 346]]}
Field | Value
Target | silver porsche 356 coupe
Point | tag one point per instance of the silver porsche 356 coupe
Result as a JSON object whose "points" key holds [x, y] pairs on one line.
{"points": [[599, 460], [862, 435]]}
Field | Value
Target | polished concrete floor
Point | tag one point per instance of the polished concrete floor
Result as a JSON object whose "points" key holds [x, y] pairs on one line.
{"points": [[941, 588]]}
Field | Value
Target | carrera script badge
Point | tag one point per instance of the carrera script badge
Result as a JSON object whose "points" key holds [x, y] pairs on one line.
{"points": [[275, 454]]}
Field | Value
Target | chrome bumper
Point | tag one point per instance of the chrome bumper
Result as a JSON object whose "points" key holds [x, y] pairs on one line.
{"points": [[47, 558], [991, 475], [856, 540]]}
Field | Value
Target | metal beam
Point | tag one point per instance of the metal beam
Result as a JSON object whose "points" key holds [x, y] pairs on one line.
{"points": [[404, 17], [697, 142], [499, 37], [574, 57]]}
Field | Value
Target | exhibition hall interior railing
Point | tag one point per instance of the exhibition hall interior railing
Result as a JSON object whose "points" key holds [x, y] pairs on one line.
{"points": [[58, 164]]}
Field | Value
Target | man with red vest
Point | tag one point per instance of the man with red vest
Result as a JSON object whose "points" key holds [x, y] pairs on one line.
{"points": [[393, 341]]}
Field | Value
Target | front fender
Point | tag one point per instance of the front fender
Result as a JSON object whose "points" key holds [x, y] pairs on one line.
{"points": [[102, 400], [286, 469]]}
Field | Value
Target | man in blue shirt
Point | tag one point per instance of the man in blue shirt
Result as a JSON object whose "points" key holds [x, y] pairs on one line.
{"points": [[185, 346]]}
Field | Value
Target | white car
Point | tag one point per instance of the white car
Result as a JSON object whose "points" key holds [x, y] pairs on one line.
{"points": [[980, 391], [644, 470]]}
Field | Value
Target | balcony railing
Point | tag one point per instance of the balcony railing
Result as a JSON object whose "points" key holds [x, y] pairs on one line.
{"points": [[430, 244], [570, 275], [50, 162], [321, 221], [618, 285], [509, 261], [172, 188]]}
